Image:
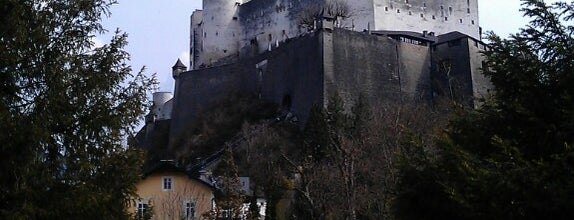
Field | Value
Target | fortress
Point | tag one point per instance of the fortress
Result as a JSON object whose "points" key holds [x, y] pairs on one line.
{"points": [[386, 50], [236, 28]]}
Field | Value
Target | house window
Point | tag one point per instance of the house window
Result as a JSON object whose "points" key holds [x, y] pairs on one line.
{"points": [[188, 210], [167, 183], [142, 211]]}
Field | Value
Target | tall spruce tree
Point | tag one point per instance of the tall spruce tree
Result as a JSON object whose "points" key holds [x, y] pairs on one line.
{"points": [[230, 197], [66, 109], [513, 157]]}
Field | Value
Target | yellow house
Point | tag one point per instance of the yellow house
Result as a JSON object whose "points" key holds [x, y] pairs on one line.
{"points": [[167, 192]]}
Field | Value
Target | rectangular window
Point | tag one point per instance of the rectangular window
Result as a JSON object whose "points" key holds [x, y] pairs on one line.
{"points": [[167, 183], [142, 210], [189, 210]]}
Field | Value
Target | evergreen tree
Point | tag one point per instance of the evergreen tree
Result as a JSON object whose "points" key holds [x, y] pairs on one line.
{"points": [[513, 157], [316, 135], [229, 197], [66, 109]]}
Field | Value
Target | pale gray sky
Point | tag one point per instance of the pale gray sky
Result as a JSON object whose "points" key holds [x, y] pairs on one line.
{"points": [[159, 30]]}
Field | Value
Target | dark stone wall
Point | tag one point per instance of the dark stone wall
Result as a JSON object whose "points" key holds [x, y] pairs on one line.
{"points": [[292, 72], [452, 71], [197, 90], [415, 70], [302, 72], [480, 83], [382, 69]]}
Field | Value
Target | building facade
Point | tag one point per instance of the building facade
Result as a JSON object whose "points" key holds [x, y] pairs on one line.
{"points": [[167, 192]]}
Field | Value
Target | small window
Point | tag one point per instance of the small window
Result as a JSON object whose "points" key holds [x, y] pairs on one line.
{"points": [[460, 20], [189, 210], [472, 22], [468, 10], [446, 18], [142, 211], [398, 10], [433, 17], [386, 8], [167, 183], [410, 13], [422, 15]]}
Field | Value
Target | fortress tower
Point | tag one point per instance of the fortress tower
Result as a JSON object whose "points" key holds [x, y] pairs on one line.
{"points": [[220, 29]]}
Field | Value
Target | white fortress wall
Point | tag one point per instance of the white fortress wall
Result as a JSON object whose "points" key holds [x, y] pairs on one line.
{"points": [[439, 16], [271, 22], [221, 29], [196, 38], [361, 15]]}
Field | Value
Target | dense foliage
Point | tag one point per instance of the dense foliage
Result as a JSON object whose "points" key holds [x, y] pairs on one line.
{"points": [[220, 123], [66, 109], [512, 158], [340, 166]]}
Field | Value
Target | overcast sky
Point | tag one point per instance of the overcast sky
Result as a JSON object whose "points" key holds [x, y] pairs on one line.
{"points": [[159, 30]]}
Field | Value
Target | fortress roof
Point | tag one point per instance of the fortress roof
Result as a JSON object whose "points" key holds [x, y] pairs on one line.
{"points": [[410, 34], [179, 64]]}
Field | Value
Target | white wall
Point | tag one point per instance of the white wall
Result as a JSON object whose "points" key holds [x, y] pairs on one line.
{"points": [[220, 29], [162, 105], [439, 16]]}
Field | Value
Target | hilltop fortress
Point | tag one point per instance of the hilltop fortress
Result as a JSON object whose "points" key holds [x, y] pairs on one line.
{"points": [[238, 28], [386, 50]]}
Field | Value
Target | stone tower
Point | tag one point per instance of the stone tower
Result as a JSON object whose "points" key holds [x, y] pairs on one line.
{"points": [[220, 29]]}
